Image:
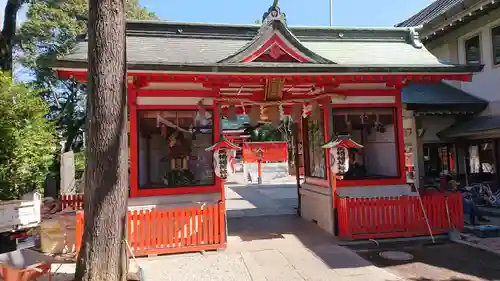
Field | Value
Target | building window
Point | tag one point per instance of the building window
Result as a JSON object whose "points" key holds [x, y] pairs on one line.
{"points": [[472, 50], [375, 129], [481, 158], [315, 155], [439, 159], [495, 39], [172, 149]]}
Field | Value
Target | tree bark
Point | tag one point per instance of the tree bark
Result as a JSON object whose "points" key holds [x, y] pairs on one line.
{"points": [[103, 256], [7, 34]]}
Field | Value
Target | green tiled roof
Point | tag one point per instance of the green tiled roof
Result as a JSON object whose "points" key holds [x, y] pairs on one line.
{"points": [[159, 45], [476, 125], [440, 97]]}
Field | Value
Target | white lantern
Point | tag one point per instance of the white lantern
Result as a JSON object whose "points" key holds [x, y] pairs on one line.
{"points": [[220, 153]]}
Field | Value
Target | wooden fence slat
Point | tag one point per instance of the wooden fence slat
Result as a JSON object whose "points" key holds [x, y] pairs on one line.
{"points": [[193, 227], [175, 235], [216, 224], [205, 225], [363, 218], [170, 228], [222, 222], [210, 225], [164, 231], [189, 215], [199, 226]]}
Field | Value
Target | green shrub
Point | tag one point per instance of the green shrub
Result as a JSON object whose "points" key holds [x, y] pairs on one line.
{"points": [[27, 139]]}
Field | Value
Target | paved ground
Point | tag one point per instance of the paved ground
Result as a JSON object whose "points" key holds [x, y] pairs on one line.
{"points": [[269, 248], [441, 262], [278, 248], [260, 200]]}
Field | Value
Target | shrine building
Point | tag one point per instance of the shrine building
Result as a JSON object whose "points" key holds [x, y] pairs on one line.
{"points": [[342, 85]]}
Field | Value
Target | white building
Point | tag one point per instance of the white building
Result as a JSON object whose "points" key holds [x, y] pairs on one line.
{"points": [[460, 137]]}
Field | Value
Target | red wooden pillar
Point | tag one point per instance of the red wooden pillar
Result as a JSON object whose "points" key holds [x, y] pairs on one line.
{"points": [[216, 119], [133, 141], [400, 135], [221, 206]]}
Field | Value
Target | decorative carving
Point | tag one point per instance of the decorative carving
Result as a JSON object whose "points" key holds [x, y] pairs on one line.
{"points": [[273, 13], [414, 38]]}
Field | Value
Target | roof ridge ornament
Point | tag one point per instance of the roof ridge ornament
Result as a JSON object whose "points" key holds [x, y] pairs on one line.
{"points": [[414, 38], [273, 13]]}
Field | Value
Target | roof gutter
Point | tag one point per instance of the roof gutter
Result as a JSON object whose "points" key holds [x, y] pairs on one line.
{"points": [[281, 68]]}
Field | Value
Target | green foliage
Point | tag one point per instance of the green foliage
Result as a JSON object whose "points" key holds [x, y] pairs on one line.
{"points": [[51, 30], [79, 164], [27, 139], [266, 132]]}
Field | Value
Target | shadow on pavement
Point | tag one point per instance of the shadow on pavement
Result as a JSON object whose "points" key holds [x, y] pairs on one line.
{"points": [[320, 243], [443, 261], [446, 261]]}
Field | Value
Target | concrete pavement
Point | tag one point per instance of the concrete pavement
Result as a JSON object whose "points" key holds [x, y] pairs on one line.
{"points": [[261, 200], [277, 248]]}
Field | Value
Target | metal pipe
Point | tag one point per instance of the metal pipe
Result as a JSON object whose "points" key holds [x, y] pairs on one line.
{"points": [[331, 12]]}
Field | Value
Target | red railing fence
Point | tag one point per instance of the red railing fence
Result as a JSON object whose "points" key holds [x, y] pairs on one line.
{"points": [[168, 231], [74, 201], [389, 217]]}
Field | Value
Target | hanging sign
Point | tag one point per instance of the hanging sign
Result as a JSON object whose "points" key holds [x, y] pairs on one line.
{"points": [[220, 154], [339, 153]]}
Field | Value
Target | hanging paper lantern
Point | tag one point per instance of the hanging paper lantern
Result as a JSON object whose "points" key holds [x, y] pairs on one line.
{"points": [[339, 152], [254, 115], [272, 114], [315, 113], [231, 113], [342, 160], [296, 112], [223, 164], [281, 111], [163, 129], [172, 140], [217, 163], [220, 150]]}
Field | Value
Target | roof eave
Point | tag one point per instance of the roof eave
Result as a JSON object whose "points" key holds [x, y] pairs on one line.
{"points": [[279, 68], [447, 109], [457, 22], [454, 135]]}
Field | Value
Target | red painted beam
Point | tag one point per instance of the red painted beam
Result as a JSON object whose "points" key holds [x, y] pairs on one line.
{"points": [[81, 75], [178, 93]]}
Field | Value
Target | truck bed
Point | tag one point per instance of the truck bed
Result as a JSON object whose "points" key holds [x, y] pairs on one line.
{"points": [[20, 214]]}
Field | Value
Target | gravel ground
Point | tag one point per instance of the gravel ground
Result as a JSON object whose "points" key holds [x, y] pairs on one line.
{"points": [[444, 261]]}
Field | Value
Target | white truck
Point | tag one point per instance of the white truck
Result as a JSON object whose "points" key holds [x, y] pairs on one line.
{"points": [[16, 218]]}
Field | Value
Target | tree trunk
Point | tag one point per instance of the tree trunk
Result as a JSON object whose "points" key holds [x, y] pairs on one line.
{"points": [[103, 256], [7, 34]]}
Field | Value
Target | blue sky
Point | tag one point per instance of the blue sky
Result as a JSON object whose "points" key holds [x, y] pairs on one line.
{"points": [[299, 12]]}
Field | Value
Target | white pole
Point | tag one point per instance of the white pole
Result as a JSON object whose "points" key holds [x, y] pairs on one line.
{"points": [[331, 12]]}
